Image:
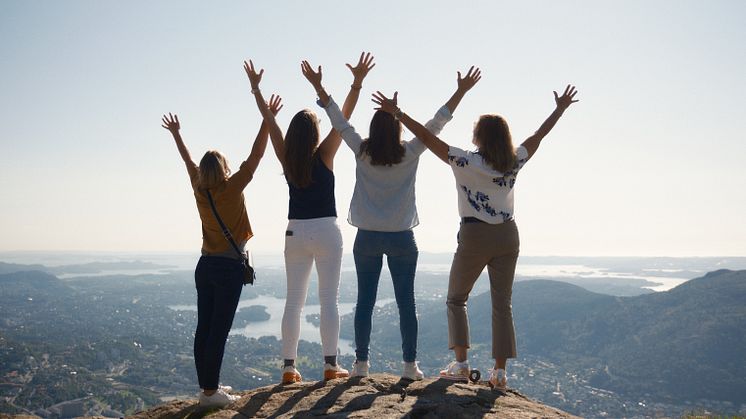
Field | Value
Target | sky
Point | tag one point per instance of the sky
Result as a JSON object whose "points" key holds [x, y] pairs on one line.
{"points": [[650, 162]]}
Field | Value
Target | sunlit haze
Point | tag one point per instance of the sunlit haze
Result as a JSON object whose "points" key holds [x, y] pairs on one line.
{"points": [[649, 162]]}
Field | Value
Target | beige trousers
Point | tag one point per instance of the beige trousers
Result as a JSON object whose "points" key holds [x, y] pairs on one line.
{"points": [[479, 245]]}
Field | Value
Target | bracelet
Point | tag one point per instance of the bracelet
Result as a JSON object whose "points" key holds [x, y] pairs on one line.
{"points": [[398, 114], [255, 90], [358, 87]]}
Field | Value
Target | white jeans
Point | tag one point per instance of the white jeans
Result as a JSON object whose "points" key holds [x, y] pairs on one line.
{"points": [[320, 240]]}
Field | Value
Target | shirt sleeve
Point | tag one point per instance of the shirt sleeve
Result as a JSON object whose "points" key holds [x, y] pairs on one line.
{"points": [[458, 158], [521, 157], [193, 171], [240, 179], [435, 125], [342, 125]]}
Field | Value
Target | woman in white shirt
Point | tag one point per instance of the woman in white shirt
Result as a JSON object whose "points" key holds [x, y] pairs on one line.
{"points": [[384, 211], [488, 235]]}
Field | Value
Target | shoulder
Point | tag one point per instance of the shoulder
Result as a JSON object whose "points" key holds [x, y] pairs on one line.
{"points": [[521, 153], [462, 158]]}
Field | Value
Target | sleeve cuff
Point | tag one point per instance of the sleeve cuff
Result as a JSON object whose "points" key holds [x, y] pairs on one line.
{"points": [[321, 105], [445, 113]]}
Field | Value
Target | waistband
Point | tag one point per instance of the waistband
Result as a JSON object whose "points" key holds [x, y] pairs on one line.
{"points": [[470, 220], [293, 222], [230, 253], [475, 220]]}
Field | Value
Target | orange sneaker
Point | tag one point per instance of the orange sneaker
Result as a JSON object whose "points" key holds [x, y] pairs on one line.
{"points": [[334, 371], [290, 375]]}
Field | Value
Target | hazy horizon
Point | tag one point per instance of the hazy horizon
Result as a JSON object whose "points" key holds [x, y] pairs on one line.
{"points": [[649, 163]]}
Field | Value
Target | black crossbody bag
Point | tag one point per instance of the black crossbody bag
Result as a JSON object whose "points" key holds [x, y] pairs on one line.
{"points": [[248, 271]]}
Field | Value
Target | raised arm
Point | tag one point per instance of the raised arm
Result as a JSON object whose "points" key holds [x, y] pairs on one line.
{"points": [[260, 143], [269, 118], [441, 118], [563, 102], [359, 72], [171, 123], [435, 144], [329, 146], [463, 85]]}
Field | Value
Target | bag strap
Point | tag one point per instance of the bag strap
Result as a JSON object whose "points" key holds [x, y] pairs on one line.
{"points": [[226, 232]]}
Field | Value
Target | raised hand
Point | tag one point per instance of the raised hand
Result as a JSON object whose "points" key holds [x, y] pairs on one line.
{"points": [[275, 104], [364, 65], [568, 97], [385, 104], [171, 123], [314, 77], [254, 77], [472, 77]]}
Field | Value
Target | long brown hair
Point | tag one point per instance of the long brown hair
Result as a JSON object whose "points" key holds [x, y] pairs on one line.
{"points": [[301, 141], [492, 137], [213, 170], [383, 144]]}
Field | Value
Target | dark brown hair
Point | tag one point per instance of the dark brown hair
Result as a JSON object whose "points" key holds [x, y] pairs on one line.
{"points": [[383, 144], [213, 170], [492, 137], [301, 141]]}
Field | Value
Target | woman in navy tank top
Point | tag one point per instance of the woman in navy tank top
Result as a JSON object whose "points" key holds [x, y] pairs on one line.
{"points": [[312, 234]]}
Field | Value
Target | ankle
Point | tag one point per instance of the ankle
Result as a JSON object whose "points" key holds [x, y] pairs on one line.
{"points": [[289, 363], [331, 360], [209, 393]]}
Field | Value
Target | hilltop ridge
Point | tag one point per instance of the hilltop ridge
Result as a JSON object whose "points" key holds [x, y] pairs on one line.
{"points": [[379, 395]]}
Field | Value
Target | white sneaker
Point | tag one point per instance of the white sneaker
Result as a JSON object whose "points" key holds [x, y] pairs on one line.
{"points": [[360, 368], [498, 379], [412, 371], [218, 399], [457, 371]]}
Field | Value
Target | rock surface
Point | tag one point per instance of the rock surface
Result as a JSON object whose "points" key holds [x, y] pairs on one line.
{"points": [[380, 396]]}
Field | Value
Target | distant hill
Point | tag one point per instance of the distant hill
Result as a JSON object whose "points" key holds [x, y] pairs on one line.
{"points": [[688, 343], [84, 268], [31, 284], [8, 268], [678, 346]]}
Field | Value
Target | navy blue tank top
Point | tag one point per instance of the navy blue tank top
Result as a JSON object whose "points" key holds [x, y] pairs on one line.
{"points": [[317, 199]]}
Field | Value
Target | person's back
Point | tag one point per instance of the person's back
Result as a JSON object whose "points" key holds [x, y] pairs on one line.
{"points": [[219, 273], [384, 210], [315, 200], [312, 235]]}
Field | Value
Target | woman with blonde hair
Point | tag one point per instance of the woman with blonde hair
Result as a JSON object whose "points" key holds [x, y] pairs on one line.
{"points": [[219, 273], [384, 211], [313, 234], [488, 235]]}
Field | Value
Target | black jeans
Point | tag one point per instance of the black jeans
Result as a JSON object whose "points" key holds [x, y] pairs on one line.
{"points": [[219, 281]]}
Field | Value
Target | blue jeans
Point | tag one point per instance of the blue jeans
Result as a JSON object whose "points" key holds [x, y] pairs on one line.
{"points": [[401, 253], [219, 281]]}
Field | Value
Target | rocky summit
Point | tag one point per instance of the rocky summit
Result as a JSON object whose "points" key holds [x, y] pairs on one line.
{"points": [[377, 396]]}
